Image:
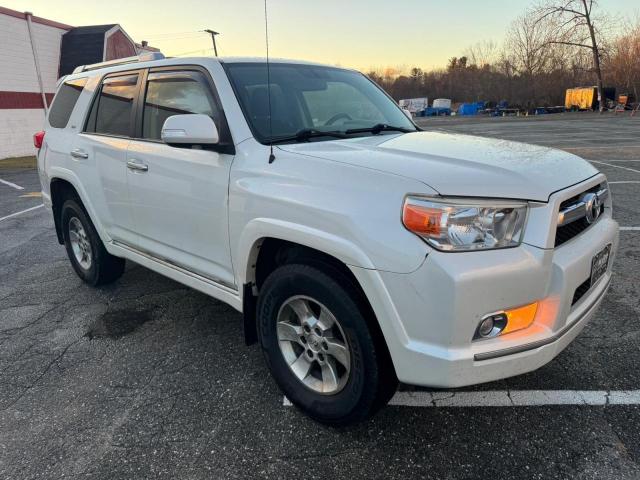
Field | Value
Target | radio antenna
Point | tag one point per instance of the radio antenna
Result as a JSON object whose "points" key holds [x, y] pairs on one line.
{"points": [[272, 157]]}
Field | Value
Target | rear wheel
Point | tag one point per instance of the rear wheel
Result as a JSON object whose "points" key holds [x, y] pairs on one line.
{"points": [[87, 254], [316, 338]]}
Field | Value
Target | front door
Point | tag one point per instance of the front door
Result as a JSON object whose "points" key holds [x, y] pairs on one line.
{"points": [[179, 195]]}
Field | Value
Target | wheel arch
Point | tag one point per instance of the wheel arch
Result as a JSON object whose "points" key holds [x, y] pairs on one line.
{"points": [[271, 253], [259, 230], [64, 184], [268, 244], [61, 190]]}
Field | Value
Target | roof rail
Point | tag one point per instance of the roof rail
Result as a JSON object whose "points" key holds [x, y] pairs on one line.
{"points": [[145, 57]]}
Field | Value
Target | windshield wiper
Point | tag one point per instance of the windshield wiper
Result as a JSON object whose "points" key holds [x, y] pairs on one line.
{"points": [[306, 134], [380, 127]]}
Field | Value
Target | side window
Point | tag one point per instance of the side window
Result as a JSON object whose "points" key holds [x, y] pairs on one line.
{"points": [[65, 101], [175, 93], [111, 113]]}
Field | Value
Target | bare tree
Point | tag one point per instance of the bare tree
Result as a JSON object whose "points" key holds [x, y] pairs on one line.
{"points": [[624, 60], [483, 53], [527, 45], [576, 27], [528, 51], [543, 55]]}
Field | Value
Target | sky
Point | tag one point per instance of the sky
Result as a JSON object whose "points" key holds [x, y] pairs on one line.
{"points": [[361, 34]]}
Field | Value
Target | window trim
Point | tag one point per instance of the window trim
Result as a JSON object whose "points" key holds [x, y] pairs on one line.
{"points": [[96, 98], [226, 144]]}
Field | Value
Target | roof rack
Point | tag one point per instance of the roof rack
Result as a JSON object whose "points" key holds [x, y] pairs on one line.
{"points": [[145, 57]]}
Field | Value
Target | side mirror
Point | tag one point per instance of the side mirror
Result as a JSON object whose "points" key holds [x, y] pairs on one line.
{"points": [[190, 129]]}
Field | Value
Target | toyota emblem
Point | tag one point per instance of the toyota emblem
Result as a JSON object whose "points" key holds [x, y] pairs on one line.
{"points": [[592, 206]]}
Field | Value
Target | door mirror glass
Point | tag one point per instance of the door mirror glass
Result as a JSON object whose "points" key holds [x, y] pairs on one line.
{"points": [[190, 129]]}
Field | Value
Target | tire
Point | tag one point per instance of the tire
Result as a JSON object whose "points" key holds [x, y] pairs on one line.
{"points": [[331, 392], [91, 261]]}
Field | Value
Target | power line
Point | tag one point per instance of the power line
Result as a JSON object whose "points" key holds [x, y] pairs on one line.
{"points": [[191, 52], [174, 34]]}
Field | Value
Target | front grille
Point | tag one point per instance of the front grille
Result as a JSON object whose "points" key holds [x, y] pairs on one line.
{"points": [[566, 232], [582, 289], [576, 198]]}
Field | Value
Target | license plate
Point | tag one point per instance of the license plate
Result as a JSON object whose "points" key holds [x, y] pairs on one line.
{"points": [[599, 264]]}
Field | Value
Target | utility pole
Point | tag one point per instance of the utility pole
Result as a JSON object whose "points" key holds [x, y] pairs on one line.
{"points": [[213, 39]]}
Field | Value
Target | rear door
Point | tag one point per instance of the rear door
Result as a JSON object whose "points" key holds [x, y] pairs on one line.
{"points": [[100, 152], [179, 195], [61, 128]]}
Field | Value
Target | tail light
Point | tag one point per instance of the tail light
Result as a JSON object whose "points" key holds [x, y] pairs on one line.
{"points": [[38, 138]]}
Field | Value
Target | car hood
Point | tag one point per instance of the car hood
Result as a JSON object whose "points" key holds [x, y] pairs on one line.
{"points": [[460, 165]]}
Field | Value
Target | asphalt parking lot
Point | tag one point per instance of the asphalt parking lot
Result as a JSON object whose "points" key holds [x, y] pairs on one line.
{"points": [[146, 378]]}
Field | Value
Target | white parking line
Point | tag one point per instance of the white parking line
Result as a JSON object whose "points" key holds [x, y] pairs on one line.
{"points": [[616, 166], [21, 212], [17, 187], [625, 181], [512, 398], [629, 229], [516, 398], [601, 147], [637, 160]]}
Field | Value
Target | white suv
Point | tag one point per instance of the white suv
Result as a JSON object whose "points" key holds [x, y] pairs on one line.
{"points": [[359, 249]]}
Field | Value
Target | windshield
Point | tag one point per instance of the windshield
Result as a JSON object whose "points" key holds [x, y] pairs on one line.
{"points": [[313, 99]]}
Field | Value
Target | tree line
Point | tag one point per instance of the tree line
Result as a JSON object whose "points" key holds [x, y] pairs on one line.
{"points": [[555, 45]]}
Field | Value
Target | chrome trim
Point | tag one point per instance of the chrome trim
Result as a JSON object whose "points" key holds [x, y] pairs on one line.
{"points": [[478, 357], [577, 210], [213, 281], [495, 331], [134, 165], [77, 153]]}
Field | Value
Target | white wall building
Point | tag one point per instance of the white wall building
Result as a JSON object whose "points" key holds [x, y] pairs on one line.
{"points": [[30, 65], [21, 102]]}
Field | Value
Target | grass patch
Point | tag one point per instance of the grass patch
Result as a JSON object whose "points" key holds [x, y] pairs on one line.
{"points": [[18, 162]]}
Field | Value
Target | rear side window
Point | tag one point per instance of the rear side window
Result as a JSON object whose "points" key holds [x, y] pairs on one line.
{"points": [[65, 101], [175, 93], [112, 110]]}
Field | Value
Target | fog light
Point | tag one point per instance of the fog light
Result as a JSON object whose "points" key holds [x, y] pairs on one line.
{"points": [[491, 325], [486, 327], [507, 321]]}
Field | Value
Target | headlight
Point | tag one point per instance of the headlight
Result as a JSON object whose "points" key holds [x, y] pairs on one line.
{"points": [[460, 225]]}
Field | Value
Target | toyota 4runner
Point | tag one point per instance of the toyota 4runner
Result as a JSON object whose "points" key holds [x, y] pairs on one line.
{"points": [[360, 250]]}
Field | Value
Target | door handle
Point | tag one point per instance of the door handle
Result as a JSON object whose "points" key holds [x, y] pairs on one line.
{"points": [[77, 153], [135, 165]]}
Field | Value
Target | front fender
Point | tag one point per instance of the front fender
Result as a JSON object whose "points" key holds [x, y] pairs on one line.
{"points": [[260, 228]]}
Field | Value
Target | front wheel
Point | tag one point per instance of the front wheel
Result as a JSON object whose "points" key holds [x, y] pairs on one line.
{"points": [[319, 343]]}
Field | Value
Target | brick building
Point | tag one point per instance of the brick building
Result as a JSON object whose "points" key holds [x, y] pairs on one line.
{"points": [[34, 53]]}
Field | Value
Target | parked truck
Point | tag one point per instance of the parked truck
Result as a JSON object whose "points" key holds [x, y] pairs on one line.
{"points": [[414, 105]]}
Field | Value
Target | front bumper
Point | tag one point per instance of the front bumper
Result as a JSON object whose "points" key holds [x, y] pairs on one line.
{"points": [[430, 315]]}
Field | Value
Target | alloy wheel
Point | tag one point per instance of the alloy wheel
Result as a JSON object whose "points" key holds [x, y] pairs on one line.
{"points": [[80, 243], [314, 345]]}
